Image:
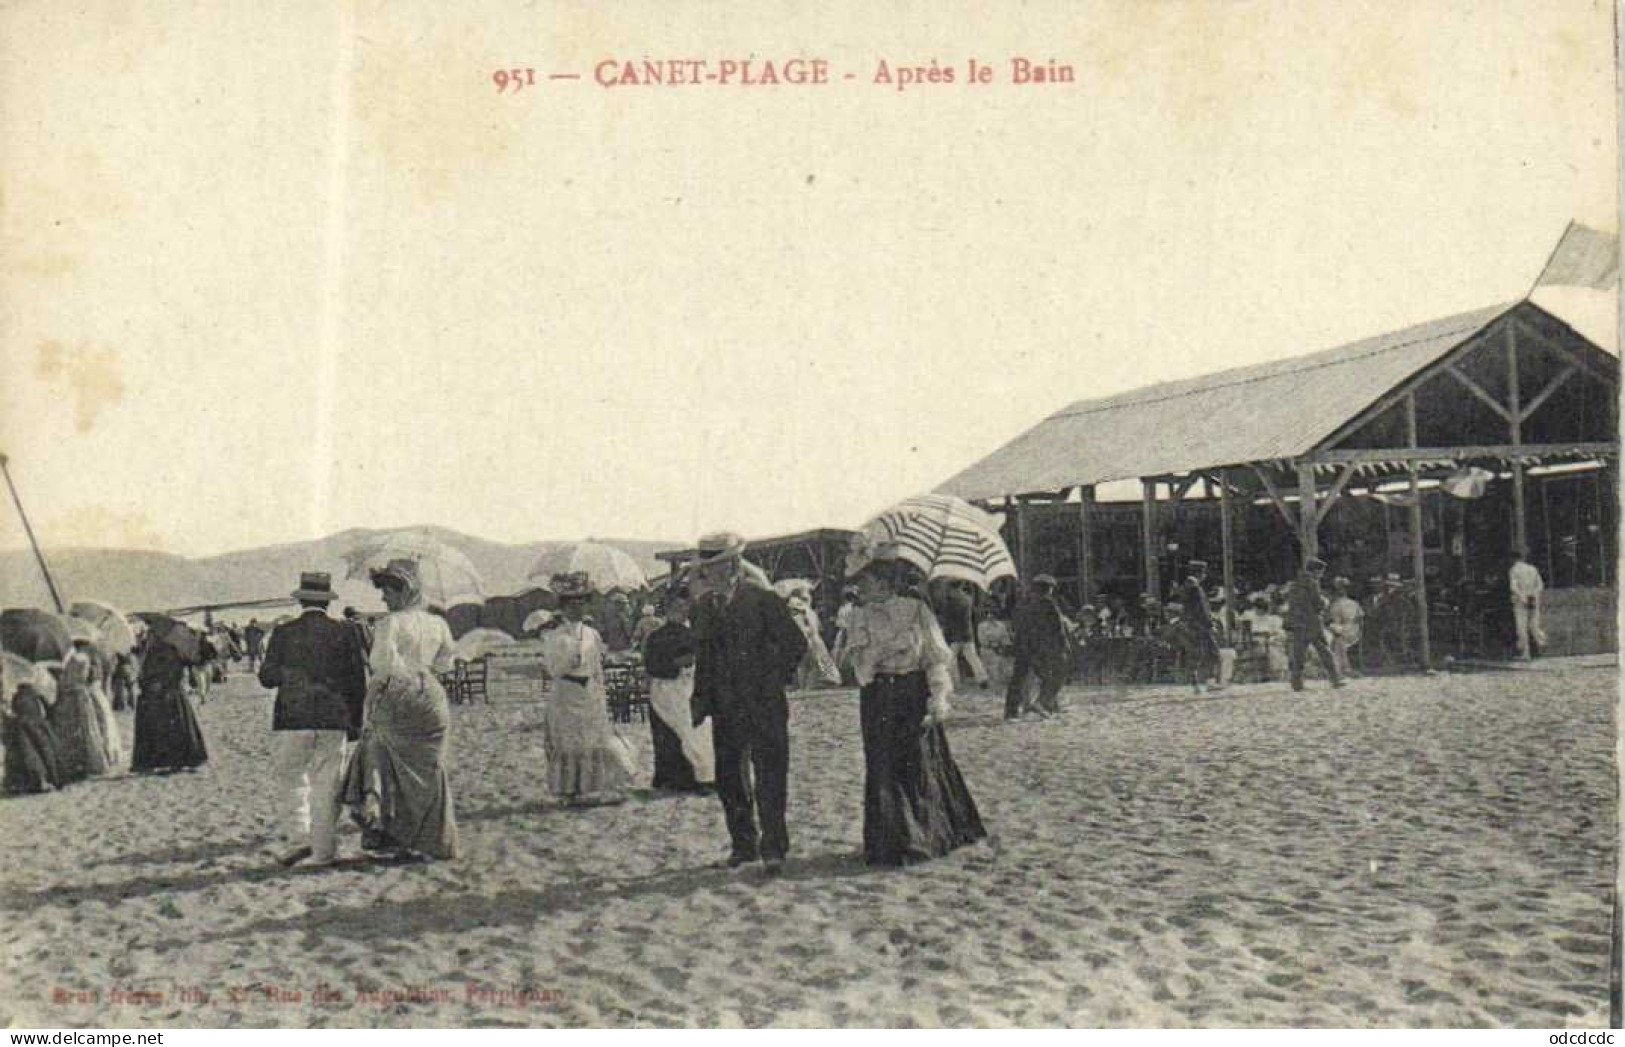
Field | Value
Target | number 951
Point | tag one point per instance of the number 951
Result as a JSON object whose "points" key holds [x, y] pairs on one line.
{"points": [[518, 78]]}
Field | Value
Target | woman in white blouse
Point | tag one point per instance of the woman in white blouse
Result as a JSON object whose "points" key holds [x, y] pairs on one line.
{"points": [[586, 761], [396, 784], [915, 802]]}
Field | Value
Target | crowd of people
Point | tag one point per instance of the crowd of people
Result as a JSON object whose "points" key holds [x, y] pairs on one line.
{"points": [[361, 719]]}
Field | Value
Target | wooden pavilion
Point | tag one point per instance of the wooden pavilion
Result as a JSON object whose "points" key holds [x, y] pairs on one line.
{"points": [[1395, 420]]}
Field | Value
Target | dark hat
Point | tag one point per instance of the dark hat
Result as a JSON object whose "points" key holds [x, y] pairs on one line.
{"points": [[315, 586], [1045, 579], [1314, 564], [1197, 565]]}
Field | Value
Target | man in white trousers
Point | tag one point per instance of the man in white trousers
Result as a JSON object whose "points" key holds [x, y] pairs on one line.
{"points": [[319, 670], [1525, 582]]}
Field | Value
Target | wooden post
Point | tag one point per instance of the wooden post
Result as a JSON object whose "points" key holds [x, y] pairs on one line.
{"points": [[1520, 534], [1308, 514], [1418, 560], [1148, 534], [1227, 539], [1023, 559], [1086, 547]]}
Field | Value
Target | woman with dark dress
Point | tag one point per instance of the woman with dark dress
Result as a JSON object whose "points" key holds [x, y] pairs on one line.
{"points": [[916, 805], [25, 729], [684, 759], [167, 735]]}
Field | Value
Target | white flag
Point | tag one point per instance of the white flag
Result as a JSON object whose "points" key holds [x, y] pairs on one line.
{"points": [[1584, 257]]}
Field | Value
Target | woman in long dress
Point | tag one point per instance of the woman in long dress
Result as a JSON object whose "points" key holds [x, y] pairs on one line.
{"points": [[916, 805], [585, 761], [396, 785], [167, 735], [685, 760], [81, 744]]}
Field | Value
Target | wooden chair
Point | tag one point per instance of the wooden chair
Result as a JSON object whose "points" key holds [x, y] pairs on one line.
{"points": [[473, 679]]}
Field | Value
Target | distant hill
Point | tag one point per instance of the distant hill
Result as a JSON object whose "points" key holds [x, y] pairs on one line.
{"points": [[138, 580]]}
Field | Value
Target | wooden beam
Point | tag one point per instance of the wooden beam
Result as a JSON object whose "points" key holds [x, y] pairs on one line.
{"points": [[1086, 546], [1023, 557], [1418, 558], [1308, 514], [1275, 496], [1336, 491], [1227, 558], [1179, 489], [1479, 391], [1403, 391], [1520, 529], [1542, 396], [1591, 448], [1148, 536], [1583, 360]]}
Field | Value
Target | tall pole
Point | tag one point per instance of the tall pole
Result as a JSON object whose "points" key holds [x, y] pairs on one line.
{"points": [[50, 583], [1418, 558]]}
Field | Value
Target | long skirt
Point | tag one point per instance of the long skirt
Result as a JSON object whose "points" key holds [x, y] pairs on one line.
{"points": [[584, 756], [396, 785], [112, 737], [167, 735], [30, 748], [684, 755], [81, 749], [916, 805]]}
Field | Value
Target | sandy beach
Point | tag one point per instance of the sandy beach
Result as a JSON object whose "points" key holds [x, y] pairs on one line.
{"points": [[1405, 852]]}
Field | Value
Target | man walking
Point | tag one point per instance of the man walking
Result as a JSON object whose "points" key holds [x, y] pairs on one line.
{"points": [[1042, 648], [747, 651], [1305, 628], [254, 640], [958, 616], [1201, 649], [1527, 587], [317, 665]]}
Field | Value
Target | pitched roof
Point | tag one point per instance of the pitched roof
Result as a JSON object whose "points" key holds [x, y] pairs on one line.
{"points": [[1250, 414]]}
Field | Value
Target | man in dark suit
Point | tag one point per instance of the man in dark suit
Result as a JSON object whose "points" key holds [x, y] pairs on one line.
{"points": [[1305, 624], [1043, 647], [319, 669], [747, 649], [1200, 648]]}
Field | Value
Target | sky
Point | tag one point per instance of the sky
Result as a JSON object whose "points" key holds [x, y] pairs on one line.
{"points": [[273, 271]]}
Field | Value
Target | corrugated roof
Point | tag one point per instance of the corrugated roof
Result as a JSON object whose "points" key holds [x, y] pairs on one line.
{"points": [[1267, 411]]}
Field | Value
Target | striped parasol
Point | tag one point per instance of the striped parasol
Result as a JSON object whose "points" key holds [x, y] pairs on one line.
{"points": [[946, 538]]}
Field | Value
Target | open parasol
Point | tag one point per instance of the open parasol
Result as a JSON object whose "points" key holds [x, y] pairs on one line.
{"points": [[606, 567], [448, 576], [36, 635], [946, 538], [113, 632], [476, 643]]}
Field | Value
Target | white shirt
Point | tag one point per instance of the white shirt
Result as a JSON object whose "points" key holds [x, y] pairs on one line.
{"points": [[1525, 581], [573, 649], [900, 635], [409, 642]]}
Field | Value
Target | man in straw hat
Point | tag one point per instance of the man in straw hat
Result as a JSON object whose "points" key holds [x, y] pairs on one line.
{"points": [[748, 648], [319, 670]]}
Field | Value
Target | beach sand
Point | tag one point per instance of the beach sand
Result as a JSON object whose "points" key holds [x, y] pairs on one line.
{"points": [[1405, 852]]}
